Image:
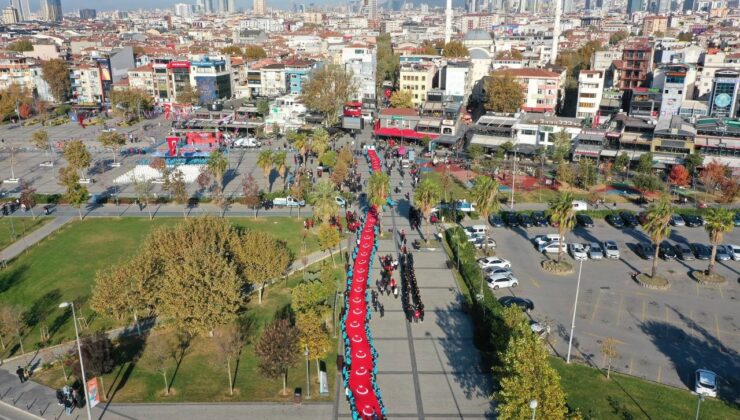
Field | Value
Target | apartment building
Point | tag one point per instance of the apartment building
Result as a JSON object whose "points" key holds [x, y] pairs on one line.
{"points": [[541, 88], [653, 24], [143, 78], [590, 89], [418, 78], [361, 60], [675, 83], [211, 77], [636, 65], [86, 81]]}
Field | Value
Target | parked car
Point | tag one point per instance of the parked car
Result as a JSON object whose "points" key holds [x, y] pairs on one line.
{"points": [[495, 220], [496, 270], [611, 249], [488, 243], [629, 219], [693, 221], [736, 219], [615, 220], [493, 262], [706, 383], [723, 253], [677, 220], [585, 220], [734, 251], [476, 230], [540, 330], [579, 252], [497, 281], [525, 305], [666, 251], [683, 251], [645, 250], [539, 218], [595, 252], [511, 219], [701, 251], [525, 221], [544, 239], [579, 205], [552, 247]]}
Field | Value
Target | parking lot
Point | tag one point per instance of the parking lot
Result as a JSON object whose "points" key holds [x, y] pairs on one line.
{"points": [[662, 336]]}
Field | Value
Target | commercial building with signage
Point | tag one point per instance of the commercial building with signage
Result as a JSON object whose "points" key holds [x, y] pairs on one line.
{"points": [[178, 77], [212, 79]]}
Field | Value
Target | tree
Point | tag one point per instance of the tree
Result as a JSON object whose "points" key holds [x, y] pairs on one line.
{"points": [[11, 323], [21, 45], [617, 37], [686, 37], [217, 164], [277, 350], [327, 90], [251, 194], [476, 152], [717, 222], [301, 188], [730, 189], [40, 140], [657, 226], [126, 289], [263, 107], [526, 375], [161, 349], [455, 49], [609, 350], [254, 52], [130, 101], [427, 196], [503, 93], [97, 355], [56, 74], [339, 174], [378, 187], [313, 336], [647, 182], [324, 201], [586, 173], [692, 162], [509, 55], [301, 142], [427, 49], [402, 99], [188, 95], [143, 190], [76, 194], [328, 237], [564, 173], [645, 163], [714, 174], [387, 61], [262, 258], [622, 162], [175, 185], [113, 141], [28, 198], [679, 176], [12, 100], [265, 161], [230, 340], [485, 196], [562, 213], [319, 142], [232, 50], [77, 156], [561, 146]]}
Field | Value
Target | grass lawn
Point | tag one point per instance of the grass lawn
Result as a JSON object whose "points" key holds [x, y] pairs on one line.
{"points": [[63, 266], [456, 190], [14, 228], [624, 397], [202, 376]]}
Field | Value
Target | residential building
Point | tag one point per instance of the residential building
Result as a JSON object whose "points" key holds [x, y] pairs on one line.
{"points": [[653, 24], [143, 78], [87, 82], [636, 65], [89, 14], [724, 100], [590, 89], [273, 80], [675, 82], [51, 10], [10, 15], [259, 7], [371, 9], [296, 73], [183, 10], [541, 88], [211, 77], [457, 80], [418, 78], [361, 60]]}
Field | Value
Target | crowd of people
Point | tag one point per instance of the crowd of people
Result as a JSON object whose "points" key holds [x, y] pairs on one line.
{"points": [[69, 398], [411, 300]]}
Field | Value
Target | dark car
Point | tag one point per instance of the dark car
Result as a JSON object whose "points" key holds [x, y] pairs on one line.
{"points": [[525, 305], [495, 220], [539, 218], [645, 250], [736, 219], [584, 220], [525, 221], [666, 251], [511, 219], [629, 219], [693, 221], [701, 251], [683, 251], [615, 220]]}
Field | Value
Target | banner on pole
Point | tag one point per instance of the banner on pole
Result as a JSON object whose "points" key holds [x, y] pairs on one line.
{"points": [[93, 398]]}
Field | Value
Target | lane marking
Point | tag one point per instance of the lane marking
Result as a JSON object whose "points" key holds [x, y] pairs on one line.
{"points": [[692, 325], [667, 317], [632, 362], [596, 306], [716, 325], [697, 288], [721, 294], [619, 311], [660, 373], [644, 307]]}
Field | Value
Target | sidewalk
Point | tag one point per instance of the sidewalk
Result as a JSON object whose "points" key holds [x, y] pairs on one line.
{"points": [[17, 247]]}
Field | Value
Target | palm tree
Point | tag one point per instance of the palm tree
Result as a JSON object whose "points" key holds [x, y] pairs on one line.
{"points": [[324, 200], [717, 222], [278, 159], [485, 196], [217, 165], [427, 196], [265, 162], [301, 142], [657, 226], [378, 187], [562, 213], [320, 142]]}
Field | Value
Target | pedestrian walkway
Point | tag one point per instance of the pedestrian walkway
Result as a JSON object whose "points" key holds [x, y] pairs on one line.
{"points": [[16, 248]]}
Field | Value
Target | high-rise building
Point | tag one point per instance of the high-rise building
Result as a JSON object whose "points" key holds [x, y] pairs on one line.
{"points": [[88, 14], [634, 6], [724, 100], [182, 10], [231, 6], [259, 7], [51, 10], [10, 15], [223, 6], [371, 9], [24, 11], [567, 6]]}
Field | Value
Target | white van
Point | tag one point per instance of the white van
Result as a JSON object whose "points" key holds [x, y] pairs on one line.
{"points": [[546, 239], [579, 205], [476, 230], [553, 247]]}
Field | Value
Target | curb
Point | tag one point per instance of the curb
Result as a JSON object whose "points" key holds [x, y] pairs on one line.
{"points": [[650, 286]]}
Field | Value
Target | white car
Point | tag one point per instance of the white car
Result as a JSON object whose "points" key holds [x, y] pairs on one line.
{"points": [[545, 239], [595, 252], [706, 383], [552, 247], [496, 270], [496, 281], [247, 142], [677, 220], [341, 202], [611, 249], [481, 243], [734, 251], [579, 252], [540, 329], [493, 262]]}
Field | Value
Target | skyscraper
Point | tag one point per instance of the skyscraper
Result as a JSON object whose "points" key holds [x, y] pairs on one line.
{"points": [[52, 10], [259, 7], [24, 11], [371, 9], [634, 6]]}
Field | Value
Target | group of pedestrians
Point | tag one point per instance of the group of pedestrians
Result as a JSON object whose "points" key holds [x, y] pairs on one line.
{"points": [[69, 398], [411, 301]]}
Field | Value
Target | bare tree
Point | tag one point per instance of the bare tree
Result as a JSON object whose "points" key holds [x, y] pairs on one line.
{"points": [[609, 350]]}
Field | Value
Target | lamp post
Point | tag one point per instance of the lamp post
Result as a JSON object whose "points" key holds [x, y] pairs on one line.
{"points": [[513, 177], [698, 405], [79, 353], [575, 306], [308, 378], [533, 406]]}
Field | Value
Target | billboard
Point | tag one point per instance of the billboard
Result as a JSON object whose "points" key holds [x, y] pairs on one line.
{"points": [[93, 398], [178, 65], [353, 123]]}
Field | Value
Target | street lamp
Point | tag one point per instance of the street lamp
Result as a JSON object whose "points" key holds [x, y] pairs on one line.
{"points": [[575, 306], [79, 352], [308, 378], [513, 179], [698, 405], [533, 406]]}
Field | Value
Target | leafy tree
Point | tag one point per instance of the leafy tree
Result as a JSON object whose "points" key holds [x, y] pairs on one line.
{"points": [[476, 153], [232, 50], [113, 141], [277, 350], [262, 258], [301, 142], [313, 335], [21, 45], [622, 162], [427, 49], [503, 93], [327, 90], [526, 375], [717, 222], [40, 140], [427, 196], [251, 194], [387, 62], [455, 49], [657, 226], [126, 289], [328, 159], [263, 107], [56, 74], [509, 55], [265, 161], [609, 350], [230, 340], [562, 213], [11, 323], [339, 174], [324, 201], [577, 60], [28, 198], [686, 37], [485, 196], [319, 142], [402, 99], [97, 355], [586, 173], [175, 185], [143, 190], [188, 95], [301, 188], [679, 176], [254, 52], [692, 162], [562, 145], [378, 188], [131, 101], [12, 99], [645, 163], [217, 165], [76, 194], [647, 182], [565, 173], [730, 189], [329, 238], [617, 37], [713, 174], [77, 156]]}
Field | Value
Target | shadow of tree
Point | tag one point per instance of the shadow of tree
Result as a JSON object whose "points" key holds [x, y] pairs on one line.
{"points": [[11, 277], [41, 307]]}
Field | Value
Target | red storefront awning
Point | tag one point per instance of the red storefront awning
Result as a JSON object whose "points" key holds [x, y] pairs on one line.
{"points": [[405, 133]]}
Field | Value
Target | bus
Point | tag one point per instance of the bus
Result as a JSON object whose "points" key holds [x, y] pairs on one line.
{"points": [[352, 109]]}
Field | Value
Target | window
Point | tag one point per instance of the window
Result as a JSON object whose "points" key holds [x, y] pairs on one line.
{"points": [[423, 78]]}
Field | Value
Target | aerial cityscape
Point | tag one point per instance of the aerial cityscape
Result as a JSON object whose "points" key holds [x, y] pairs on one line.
{"points": [[372, 209]]}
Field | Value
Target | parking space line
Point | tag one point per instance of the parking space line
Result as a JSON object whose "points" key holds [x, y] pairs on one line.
{"points": [[632, 362], [697, 288], [596, 306], [716, 325], [660, 373], [692, 324], [537, 285], [601, 337], [667, 317], [721, 294], [619, 311], [644, 307]]}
